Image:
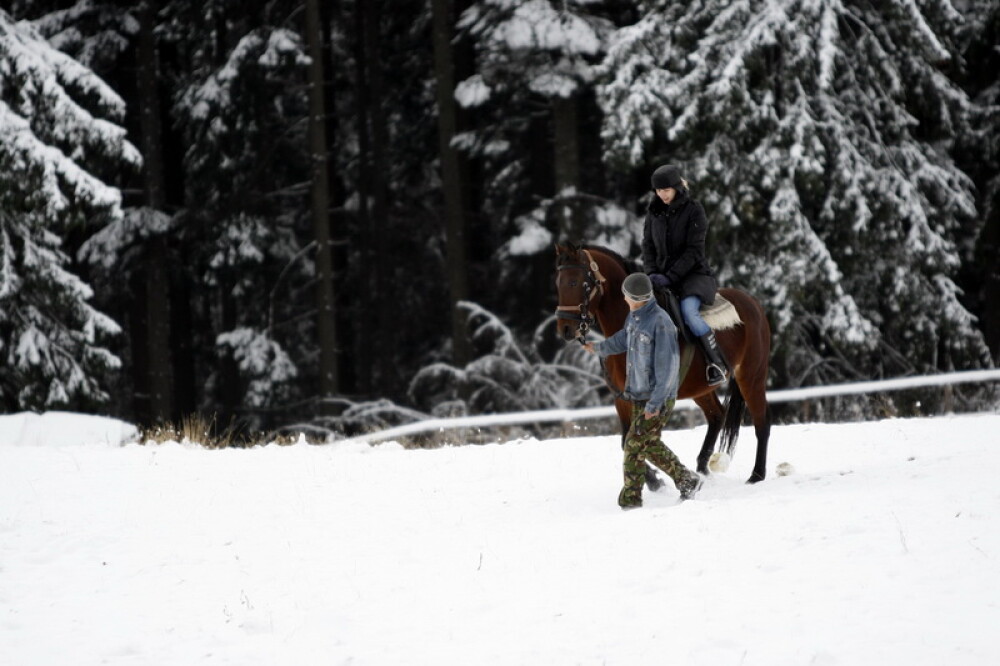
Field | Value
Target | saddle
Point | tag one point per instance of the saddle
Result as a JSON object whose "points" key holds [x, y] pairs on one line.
{"points": [[720, 315]]}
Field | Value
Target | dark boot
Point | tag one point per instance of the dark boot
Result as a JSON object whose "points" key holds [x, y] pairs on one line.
{"points": [[716, 367], [690, 486]]}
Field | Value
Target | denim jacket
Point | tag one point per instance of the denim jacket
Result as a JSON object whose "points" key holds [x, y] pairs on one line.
{"points": [[652, 363]]}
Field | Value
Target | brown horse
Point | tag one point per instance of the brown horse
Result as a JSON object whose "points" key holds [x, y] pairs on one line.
{"points": [[589, 280]]}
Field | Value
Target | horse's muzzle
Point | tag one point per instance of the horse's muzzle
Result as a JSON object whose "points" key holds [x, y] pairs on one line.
{"points": [[572, 323], [568, 330]]}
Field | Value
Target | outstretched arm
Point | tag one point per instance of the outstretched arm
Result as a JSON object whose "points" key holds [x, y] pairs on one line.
{"points": [[616, 344]]}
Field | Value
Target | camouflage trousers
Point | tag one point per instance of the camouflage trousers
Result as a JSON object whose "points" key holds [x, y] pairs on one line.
{"points": [[643, 444]]}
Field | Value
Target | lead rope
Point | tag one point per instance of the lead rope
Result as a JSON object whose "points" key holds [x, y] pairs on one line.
{"points": [[619, 395]]}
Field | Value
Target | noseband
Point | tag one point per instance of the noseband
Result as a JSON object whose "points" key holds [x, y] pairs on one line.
{"points": [[593, 284]]}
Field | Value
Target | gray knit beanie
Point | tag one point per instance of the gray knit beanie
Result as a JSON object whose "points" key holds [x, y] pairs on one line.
{"points": [[638, 287]]}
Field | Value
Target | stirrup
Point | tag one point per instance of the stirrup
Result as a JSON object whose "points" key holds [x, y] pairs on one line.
{"points": [[708, 375]]}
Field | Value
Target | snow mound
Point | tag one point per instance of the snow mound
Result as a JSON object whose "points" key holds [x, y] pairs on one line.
{"points": [[60, 429]]}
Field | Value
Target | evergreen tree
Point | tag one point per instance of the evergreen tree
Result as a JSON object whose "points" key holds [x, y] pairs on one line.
{"points": [[93, 32], [828, 139], [817, 134], [536, 140], [131, 258], [981, 76], [395, 285], [535, 64], [59, 145], [241, 111]]}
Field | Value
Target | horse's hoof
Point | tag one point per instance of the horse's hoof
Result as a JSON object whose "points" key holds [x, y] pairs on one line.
{"points": [[784, 469], [719, 462], [755, 478]]}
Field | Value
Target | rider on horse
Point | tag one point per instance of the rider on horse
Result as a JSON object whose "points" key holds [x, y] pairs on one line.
{"points": [[673, 255]]}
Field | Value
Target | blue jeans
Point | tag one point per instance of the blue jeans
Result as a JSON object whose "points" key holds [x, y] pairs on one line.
{"points": [[689, 308]]}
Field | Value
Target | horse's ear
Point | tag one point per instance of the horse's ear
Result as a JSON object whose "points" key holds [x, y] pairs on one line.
{"points": [[559, 249]]}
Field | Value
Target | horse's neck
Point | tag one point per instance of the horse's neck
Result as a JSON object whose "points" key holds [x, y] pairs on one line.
{"points": [[613, 310], [612, 317]]}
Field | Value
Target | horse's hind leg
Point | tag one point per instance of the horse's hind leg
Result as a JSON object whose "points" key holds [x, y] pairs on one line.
{"points": [[762, 425], [760, 414], [711, 407]]}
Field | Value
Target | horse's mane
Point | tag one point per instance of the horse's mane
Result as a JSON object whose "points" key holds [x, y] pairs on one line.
{"points": [[627, 265]]}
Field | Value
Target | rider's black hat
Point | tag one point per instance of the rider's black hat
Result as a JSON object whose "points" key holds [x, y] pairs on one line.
{"points": [[667, 176]]}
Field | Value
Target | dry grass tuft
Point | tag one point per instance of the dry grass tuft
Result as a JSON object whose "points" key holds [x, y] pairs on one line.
{"points": [[205, 431], [200, 429]]}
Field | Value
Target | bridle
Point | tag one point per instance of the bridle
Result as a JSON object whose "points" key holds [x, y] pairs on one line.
{"points": [[593, 284]]}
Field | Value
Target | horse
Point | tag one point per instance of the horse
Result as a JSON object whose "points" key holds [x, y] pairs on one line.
{"points": [[589, 280]]}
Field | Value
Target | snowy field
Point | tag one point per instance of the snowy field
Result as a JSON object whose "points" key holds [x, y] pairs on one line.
{"points": [[883, 547]]}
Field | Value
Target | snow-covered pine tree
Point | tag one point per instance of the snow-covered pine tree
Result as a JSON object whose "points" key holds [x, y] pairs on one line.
{"points": [[118, 41], [817, 134], [536, 58], [981, 76], [245, 157], [59, 144], [536, 139], [95, 33], [392, 275]]}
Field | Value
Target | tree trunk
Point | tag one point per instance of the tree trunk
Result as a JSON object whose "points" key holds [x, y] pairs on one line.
{"points": [[157, 271], [183, 350], [231, 388], [567, 165], [366, 332], [451, 177], [326, 320], [382, 284], [346, 364]]}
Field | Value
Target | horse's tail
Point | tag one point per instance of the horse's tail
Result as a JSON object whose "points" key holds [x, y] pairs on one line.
{"points": [[736, 407]]}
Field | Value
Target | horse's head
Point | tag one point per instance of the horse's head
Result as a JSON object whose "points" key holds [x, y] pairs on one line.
{"points": [[580, 284]]}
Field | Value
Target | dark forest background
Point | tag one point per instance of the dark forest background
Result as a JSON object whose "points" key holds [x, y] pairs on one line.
{"points": [[345, 211]]}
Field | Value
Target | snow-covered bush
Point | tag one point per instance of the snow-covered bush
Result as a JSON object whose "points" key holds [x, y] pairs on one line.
{"points": [[263, 364], [508, 375]]}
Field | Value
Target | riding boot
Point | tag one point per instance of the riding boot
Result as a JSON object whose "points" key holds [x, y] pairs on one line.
{"points": [[716, 367]]}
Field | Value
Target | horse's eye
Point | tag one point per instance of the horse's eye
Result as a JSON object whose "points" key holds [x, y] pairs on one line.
{"points": [[572, 283]]}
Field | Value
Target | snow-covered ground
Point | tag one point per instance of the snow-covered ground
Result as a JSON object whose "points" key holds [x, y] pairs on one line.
{"points": [[883, 547]]}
